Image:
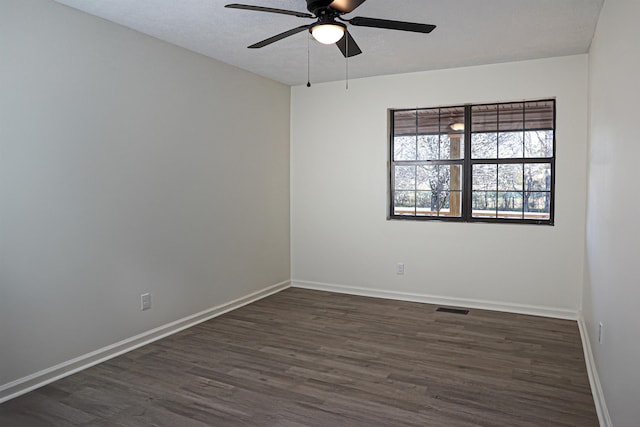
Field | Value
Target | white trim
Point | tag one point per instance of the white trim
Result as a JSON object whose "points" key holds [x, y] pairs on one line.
{"points": [[558, 313], [38, 379], [594, 379]]}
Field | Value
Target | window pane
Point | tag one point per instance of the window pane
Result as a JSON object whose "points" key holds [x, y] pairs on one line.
{"points": [[451, 146], [429, 121], [427, 177], [423, 203], [404, 123], [484, 118], [538, 143], [428, 147], [404, 203], [537, 177], [484, 135], [510, 205], [404, 148], [405, 178], [437, 179], [484, 204], [510, 145], [485, 177], [484, 145], [511, 117], [510, 177], [537, 205], [451, 119], [539, 115]]}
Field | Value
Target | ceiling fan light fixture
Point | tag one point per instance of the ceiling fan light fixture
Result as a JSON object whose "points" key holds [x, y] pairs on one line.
{"points": [[328, 33]]}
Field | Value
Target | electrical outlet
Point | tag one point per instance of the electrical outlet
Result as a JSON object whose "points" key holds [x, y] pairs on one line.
{"points": [[600, 332], [145, 301], [400, 268]]}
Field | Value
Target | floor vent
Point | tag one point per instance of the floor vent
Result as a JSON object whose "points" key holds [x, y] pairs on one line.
{"points": [[453, 310]]}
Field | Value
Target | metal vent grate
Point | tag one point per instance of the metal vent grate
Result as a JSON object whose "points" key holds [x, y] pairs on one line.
{"points": [[453, 310]]}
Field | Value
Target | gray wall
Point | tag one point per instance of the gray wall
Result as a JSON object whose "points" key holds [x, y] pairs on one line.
{"points": [[127, 165], [612, 291]]}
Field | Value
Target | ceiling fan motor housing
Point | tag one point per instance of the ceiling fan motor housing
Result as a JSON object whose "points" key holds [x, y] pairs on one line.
{"points": [[318, 7]]}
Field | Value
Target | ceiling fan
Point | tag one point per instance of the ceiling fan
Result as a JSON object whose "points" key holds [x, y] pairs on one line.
{"points": [[329, 27]]}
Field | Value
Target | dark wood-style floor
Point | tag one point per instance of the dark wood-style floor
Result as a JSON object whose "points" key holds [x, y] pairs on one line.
{"points": [[309, 358]]}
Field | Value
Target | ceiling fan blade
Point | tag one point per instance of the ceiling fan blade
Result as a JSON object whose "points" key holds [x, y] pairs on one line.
{"points": [[280, 36], [270, 10], [391, 25], [353, 49], [346, 6]]}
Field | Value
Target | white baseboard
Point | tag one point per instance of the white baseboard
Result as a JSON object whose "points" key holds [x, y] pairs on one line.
{"points": [[38, 379], [594, 379], [557, 313]]}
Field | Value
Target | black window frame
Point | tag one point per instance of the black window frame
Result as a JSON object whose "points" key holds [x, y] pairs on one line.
{"points": [[467, 165]]}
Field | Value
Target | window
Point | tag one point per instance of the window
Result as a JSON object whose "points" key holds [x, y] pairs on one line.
{"points": [[490, 162]]}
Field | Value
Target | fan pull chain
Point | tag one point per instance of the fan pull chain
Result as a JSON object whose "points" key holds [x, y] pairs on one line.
{"points": [[309, 60]]}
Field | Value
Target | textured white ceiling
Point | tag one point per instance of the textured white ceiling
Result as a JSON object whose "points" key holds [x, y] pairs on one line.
{"points": [[469, 32]]}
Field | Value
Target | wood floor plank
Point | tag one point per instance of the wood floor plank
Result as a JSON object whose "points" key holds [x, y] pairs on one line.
{"points": [[308, 358]]}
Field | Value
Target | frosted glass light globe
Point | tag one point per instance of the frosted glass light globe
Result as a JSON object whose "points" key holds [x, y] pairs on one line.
{"points": [[327, 33]]}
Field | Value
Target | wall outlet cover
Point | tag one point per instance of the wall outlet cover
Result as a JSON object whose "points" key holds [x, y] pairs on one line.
{"points": [[145, 301]]}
